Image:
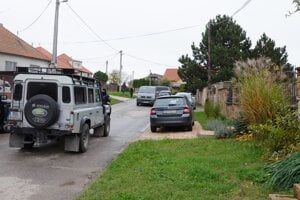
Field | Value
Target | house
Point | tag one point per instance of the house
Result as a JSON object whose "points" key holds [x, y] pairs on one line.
{"points": [[16, 52], [171, 74], [66, 62]]}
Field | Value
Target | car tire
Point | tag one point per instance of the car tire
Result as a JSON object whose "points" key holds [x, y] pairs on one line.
{"points": [[106, 128], [28, 146], [84, 138], [190, 127], [153, 129], [41, 111]]}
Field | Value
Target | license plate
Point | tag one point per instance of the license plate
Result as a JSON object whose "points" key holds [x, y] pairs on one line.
{"points": [[169, 111]]}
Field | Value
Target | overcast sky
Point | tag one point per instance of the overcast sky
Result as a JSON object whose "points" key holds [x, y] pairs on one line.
{"points": [[152, 34]]}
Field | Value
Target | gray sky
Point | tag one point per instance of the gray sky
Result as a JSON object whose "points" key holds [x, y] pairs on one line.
{"points": [[84, 24]]}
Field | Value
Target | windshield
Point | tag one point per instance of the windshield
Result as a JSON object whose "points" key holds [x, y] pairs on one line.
{"points": [[146, 90]]}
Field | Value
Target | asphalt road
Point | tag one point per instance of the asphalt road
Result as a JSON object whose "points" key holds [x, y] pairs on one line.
{"points": [[48, 173]]}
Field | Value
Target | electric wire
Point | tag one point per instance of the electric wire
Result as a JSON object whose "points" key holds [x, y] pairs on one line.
{"points": [[146, 60], [97, 35], [24, 29], [241, 8]]}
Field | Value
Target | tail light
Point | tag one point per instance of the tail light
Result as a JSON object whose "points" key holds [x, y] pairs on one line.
{"points": [[71, 122], [186, 111], [152, 111]]}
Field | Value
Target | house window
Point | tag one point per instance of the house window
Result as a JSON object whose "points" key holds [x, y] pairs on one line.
{"points": [[10, 66]]}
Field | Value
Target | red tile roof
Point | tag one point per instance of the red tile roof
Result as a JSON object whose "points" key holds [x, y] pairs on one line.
{"points": [[44, 52], [63, 61], [172, 75], [13, 45]]}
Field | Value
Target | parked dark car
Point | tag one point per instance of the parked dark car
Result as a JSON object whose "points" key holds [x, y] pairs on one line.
{"points": [[171, 111], [190, 98]]}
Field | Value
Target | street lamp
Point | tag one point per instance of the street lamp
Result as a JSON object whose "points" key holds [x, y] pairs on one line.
{"points": [[54, 50]]}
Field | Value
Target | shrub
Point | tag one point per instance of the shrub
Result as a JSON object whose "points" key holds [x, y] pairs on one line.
{"points": [[212, 110], [221, 130], [284, 173], [261, 95], [240, 124], [280, 135]]}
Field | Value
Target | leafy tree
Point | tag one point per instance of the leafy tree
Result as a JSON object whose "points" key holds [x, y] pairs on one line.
{"points": [[192, 73], [265, 47], [101, 76], [165, 82], [114, 77], [228, 43], [297, 9], [140, 82]]}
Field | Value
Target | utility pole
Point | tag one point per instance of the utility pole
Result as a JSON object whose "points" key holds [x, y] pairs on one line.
{"points": [[120, 75], [150, 77], [106, 68], [55, 35], [209, 55]]}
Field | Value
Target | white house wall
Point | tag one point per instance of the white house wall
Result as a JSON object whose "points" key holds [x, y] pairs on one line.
{"points": [[21, 61]]}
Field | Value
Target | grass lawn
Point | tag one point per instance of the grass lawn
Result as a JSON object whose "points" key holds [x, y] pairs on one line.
{"points": [[200, 117], [202, 168], [120, 94]]}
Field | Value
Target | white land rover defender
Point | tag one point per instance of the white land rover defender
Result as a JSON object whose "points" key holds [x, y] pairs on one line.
{"points": [[56, 103]]}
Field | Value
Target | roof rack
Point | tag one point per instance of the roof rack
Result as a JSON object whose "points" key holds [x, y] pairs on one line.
{"points": [[76, 75]]}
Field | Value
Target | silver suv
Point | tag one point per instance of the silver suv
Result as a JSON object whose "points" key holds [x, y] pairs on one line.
{"points": [[54, 103]]}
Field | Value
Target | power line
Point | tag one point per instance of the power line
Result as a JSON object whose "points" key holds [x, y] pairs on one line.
{"points": [[80, 18], [241, 8], [148, 61], [24, 29], [154, 33], [111, 56]]}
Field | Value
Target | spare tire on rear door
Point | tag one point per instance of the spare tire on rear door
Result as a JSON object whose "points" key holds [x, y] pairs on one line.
{"points": [[41, 111]]}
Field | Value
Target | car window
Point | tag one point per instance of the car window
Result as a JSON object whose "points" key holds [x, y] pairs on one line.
{"points": [[169, 102], [147, 90], [91, 95], [35, 88], [80, 95], [66, 94], [18, 92]]}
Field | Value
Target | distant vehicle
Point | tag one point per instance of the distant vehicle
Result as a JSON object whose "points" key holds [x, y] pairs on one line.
{"points": [[146, 95], [189, 96], [171, 111], [164, 93], [160, 88]]}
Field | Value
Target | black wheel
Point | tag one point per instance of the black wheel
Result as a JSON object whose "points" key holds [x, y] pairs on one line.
{"points": [[84, 138], [41, 111], [106, 127], [190, 127], [28, 146], [153, 129]]}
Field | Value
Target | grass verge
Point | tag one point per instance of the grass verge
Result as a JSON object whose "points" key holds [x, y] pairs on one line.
{"points": [[202, 168], [120, 94]]}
